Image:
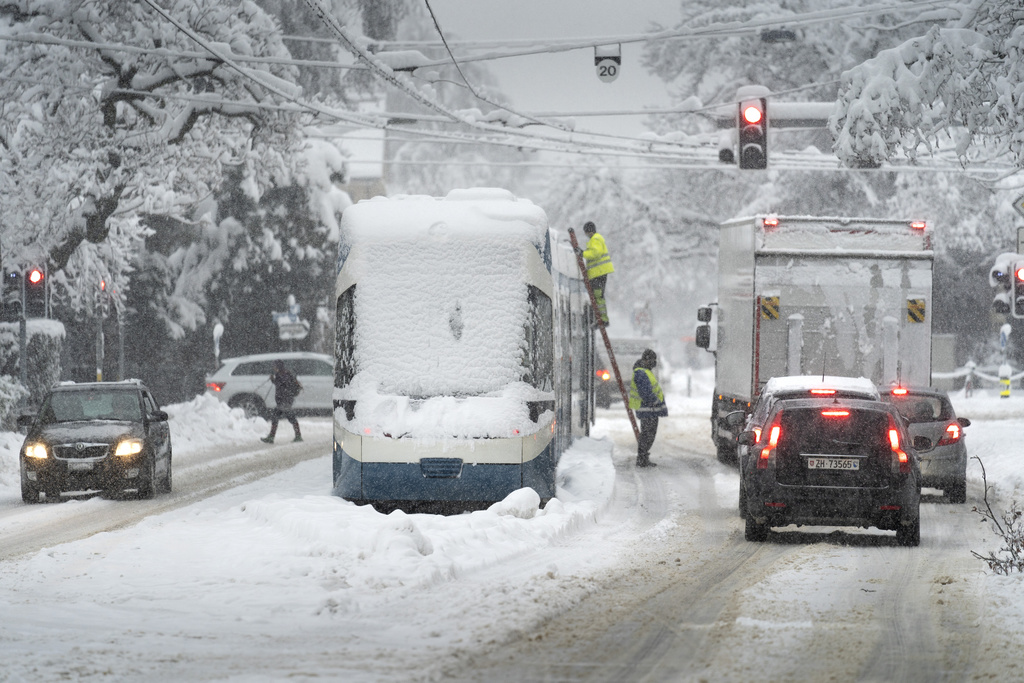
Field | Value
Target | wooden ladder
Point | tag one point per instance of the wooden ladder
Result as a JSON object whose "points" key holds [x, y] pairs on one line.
{"points": [[604, 334]]}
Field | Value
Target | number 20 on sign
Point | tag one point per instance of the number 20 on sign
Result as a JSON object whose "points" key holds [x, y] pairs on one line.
{"points": [[608, 60]]}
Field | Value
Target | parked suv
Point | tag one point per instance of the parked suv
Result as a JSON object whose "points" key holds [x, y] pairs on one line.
{"points": [[834, 462], [929, 413], [106, 436], [244, 382]]}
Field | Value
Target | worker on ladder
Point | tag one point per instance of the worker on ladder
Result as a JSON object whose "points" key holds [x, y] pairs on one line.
{"points": [[599, 264]]}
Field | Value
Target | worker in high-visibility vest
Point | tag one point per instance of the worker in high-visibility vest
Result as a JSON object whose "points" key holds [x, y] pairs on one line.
{"points": [[647, 401], [599, 264]]}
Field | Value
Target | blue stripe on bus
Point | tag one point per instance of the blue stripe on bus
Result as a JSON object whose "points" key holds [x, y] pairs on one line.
{"points": [[358, 481]]}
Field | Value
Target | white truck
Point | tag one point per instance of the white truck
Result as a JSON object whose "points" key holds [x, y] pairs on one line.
{"points": [[802, 296]]}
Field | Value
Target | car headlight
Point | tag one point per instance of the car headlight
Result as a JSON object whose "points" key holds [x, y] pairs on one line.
{"points": [[128, 447], [36, 450]]}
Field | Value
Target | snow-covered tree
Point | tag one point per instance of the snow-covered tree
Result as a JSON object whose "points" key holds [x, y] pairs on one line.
{"points": [[112, 110], [957, 86]]}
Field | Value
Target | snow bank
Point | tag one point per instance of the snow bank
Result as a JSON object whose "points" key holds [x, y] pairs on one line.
{"points": [[251, 557]]}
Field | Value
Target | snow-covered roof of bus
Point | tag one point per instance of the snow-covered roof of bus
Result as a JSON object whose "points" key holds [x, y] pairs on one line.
{"points": [[464, 213]]}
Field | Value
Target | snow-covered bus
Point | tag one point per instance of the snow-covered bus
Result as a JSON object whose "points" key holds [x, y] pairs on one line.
{"points": [[463, 353]]}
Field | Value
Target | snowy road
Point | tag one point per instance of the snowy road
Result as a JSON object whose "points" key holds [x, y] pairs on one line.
{"points": [[198, 476], [629, 575], [693, 601]]}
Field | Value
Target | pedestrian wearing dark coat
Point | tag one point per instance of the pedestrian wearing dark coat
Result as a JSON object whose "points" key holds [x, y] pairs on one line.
{"points": [[647, 401], [286, 388]]}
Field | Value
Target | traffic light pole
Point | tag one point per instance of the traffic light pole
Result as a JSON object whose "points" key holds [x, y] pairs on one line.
{"points": [[604, 334]]}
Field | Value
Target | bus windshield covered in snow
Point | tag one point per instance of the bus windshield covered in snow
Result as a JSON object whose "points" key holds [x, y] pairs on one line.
{"points": [[450, 316]]}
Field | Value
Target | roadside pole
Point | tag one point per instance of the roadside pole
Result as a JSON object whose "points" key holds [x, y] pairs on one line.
{"points": [[604, 334]]}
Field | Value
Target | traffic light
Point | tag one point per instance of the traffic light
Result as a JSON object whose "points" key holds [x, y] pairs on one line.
{"points": [[11, 297], [753, 125], [35, 293], [999, 277], [1018, 289], [103, 300]]}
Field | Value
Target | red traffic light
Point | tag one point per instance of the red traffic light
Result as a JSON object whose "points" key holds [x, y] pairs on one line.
{"points": [[752, 114], [1019, 273], [35, 276]]}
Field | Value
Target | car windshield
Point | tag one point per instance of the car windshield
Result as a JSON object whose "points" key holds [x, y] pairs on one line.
{"points": [[98, 404]]}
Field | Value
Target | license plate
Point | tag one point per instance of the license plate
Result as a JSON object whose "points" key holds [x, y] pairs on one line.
{"points": [[818, 463], [79, 466]]}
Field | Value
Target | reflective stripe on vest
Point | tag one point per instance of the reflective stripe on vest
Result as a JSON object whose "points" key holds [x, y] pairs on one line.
{"points": [[598, 260]]}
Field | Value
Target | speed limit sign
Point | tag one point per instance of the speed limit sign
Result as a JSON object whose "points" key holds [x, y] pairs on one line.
{"points": [[608, 60]]}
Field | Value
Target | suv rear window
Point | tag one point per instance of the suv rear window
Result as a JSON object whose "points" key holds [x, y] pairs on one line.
{"points": [[924, 408], [309, 366], [255, 367]]}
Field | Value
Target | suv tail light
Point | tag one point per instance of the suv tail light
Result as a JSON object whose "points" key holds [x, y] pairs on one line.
{"points": [[774, 432], [951, 436], [901, 461], [215, 386]]}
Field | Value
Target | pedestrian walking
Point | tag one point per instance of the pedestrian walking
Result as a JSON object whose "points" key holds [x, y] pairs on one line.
{"points": [[286, 388], [647, 401], [599, 265]]}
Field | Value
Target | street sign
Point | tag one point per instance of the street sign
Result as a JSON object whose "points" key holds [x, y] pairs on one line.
{"points": [[1018, 205], [297, 330], [608, 60]]}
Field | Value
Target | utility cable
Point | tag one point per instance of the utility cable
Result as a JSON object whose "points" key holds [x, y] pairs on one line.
{"points": [[472, 89]]}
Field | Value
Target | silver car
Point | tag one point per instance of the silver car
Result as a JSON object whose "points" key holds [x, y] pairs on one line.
{"points": [[244, 382], [929, 413]]}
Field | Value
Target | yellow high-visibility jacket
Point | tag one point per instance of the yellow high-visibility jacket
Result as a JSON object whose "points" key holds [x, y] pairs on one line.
{"points": [[596, 254], [646, 398]]}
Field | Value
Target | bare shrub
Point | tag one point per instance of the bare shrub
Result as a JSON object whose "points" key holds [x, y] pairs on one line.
{"points": [[1009, 526]]}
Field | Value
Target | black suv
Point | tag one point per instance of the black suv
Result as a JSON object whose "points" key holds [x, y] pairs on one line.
{"points": [[107, 436], [832, 462]]}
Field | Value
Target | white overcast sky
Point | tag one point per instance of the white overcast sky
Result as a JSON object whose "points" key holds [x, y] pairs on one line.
{"points": [[567, 81]]}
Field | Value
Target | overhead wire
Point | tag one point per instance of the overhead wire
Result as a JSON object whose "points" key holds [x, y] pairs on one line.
{"points": [[719, 30], [549, 144], [473, 90]]}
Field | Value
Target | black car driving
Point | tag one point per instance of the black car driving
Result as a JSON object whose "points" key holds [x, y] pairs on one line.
{"points": [[833, 462], [105, 436]]}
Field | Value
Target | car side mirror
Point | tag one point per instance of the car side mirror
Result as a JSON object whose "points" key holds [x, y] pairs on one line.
{"points": [[964, 422], [26, 420], [747, 438], [159, 416], [922, 443], [735, 419]]}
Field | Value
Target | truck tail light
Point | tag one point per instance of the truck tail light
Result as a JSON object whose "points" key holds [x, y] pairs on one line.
{"points": [[951, 435]]}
